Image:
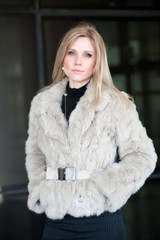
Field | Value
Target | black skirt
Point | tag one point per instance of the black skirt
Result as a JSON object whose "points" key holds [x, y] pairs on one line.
{"points": [[107, 226]]}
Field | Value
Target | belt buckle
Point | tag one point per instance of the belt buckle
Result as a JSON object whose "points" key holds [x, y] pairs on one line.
{"points": [[61, 174]]}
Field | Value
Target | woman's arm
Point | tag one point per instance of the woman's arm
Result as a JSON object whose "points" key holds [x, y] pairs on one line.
{"points": [[35, 163], [137, 159]]}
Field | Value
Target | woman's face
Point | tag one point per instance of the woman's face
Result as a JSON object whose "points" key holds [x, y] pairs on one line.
{"points": [[79, 62]]}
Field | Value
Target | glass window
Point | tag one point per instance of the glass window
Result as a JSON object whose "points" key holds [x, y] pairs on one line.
{"points": [[100, 4], [79, 3], [143, 41], [120, 81], [53, 31], [154, 112], [138, 99], [18, 85], [145, 82], [16, 3], [111, 40], [136, 82], [142, 3], [154, 83]]}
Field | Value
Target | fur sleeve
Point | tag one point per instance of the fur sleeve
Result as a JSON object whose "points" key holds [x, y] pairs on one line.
{"points": [[137, 158], [35, 162]]}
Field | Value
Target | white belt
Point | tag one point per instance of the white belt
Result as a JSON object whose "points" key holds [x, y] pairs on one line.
{"points": [[68, 173]]}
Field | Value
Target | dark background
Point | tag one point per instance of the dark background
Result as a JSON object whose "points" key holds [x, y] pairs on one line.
{"points": [[29, 35]]}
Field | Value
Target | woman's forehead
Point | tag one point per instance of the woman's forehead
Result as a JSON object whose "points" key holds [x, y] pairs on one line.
{"points": [[82, 42]]}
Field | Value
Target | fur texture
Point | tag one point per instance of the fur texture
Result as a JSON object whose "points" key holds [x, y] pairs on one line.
{"points": [[88, 142]]}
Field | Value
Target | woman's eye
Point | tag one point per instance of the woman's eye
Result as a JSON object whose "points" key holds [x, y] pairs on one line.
{"points": [[71, 53], [89, 55]]}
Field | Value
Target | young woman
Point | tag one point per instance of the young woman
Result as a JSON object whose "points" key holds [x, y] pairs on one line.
{"points": [[77, 126]]}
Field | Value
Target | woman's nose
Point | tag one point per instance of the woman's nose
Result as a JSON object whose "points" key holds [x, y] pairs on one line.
{"points": [[78, 60]]}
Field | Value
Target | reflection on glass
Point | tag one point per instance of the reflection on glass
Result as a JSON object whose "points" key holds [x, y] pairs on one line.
{"points": [[18, 85], [141, 3], [155, 113], [136, 82], [109, 31], [120, 82], [154, 83], [16, 3], [100, 3], [143, 41], [53, 31]]}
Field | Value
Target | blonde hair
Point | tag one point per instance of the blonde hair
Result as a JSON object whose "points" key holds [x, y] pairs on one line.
{"points": [[101, 77]]}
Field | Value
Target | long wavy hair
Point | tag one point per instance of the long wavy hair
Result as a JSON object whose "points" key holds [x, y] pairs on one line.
{"points": [[101, 77]]}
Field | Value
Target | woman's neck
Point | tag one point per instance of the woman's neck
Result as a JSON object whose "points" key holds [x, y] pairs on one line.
{"points": [[74, 84]]}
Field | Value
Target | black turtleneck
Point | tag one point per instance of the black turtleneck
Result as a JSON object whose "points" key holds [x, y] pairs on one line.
{"points": [[71, 99]]}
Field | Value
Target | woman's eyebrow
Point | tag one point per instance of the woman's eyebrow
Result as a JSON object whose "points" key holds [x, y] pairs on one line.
{"points": [[72, 49]]}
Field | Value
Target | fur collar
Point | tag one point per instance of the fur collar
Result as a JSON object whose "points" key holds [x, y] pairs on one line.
{"points": [[53, 120]]}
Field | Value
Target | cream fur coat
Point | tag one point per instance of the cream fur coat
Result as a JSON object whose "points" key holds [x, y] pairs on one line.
{"points": [[88, 142]]}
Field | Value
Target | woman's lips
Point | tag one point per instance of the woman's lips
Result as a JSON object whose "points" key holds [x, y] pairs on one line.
{"points": [[77, 71]]}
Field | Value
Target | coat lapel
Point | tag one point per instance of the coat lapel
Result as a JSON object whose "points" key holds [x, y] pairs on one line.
{"points": [[83, 115], [53, 121]]}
